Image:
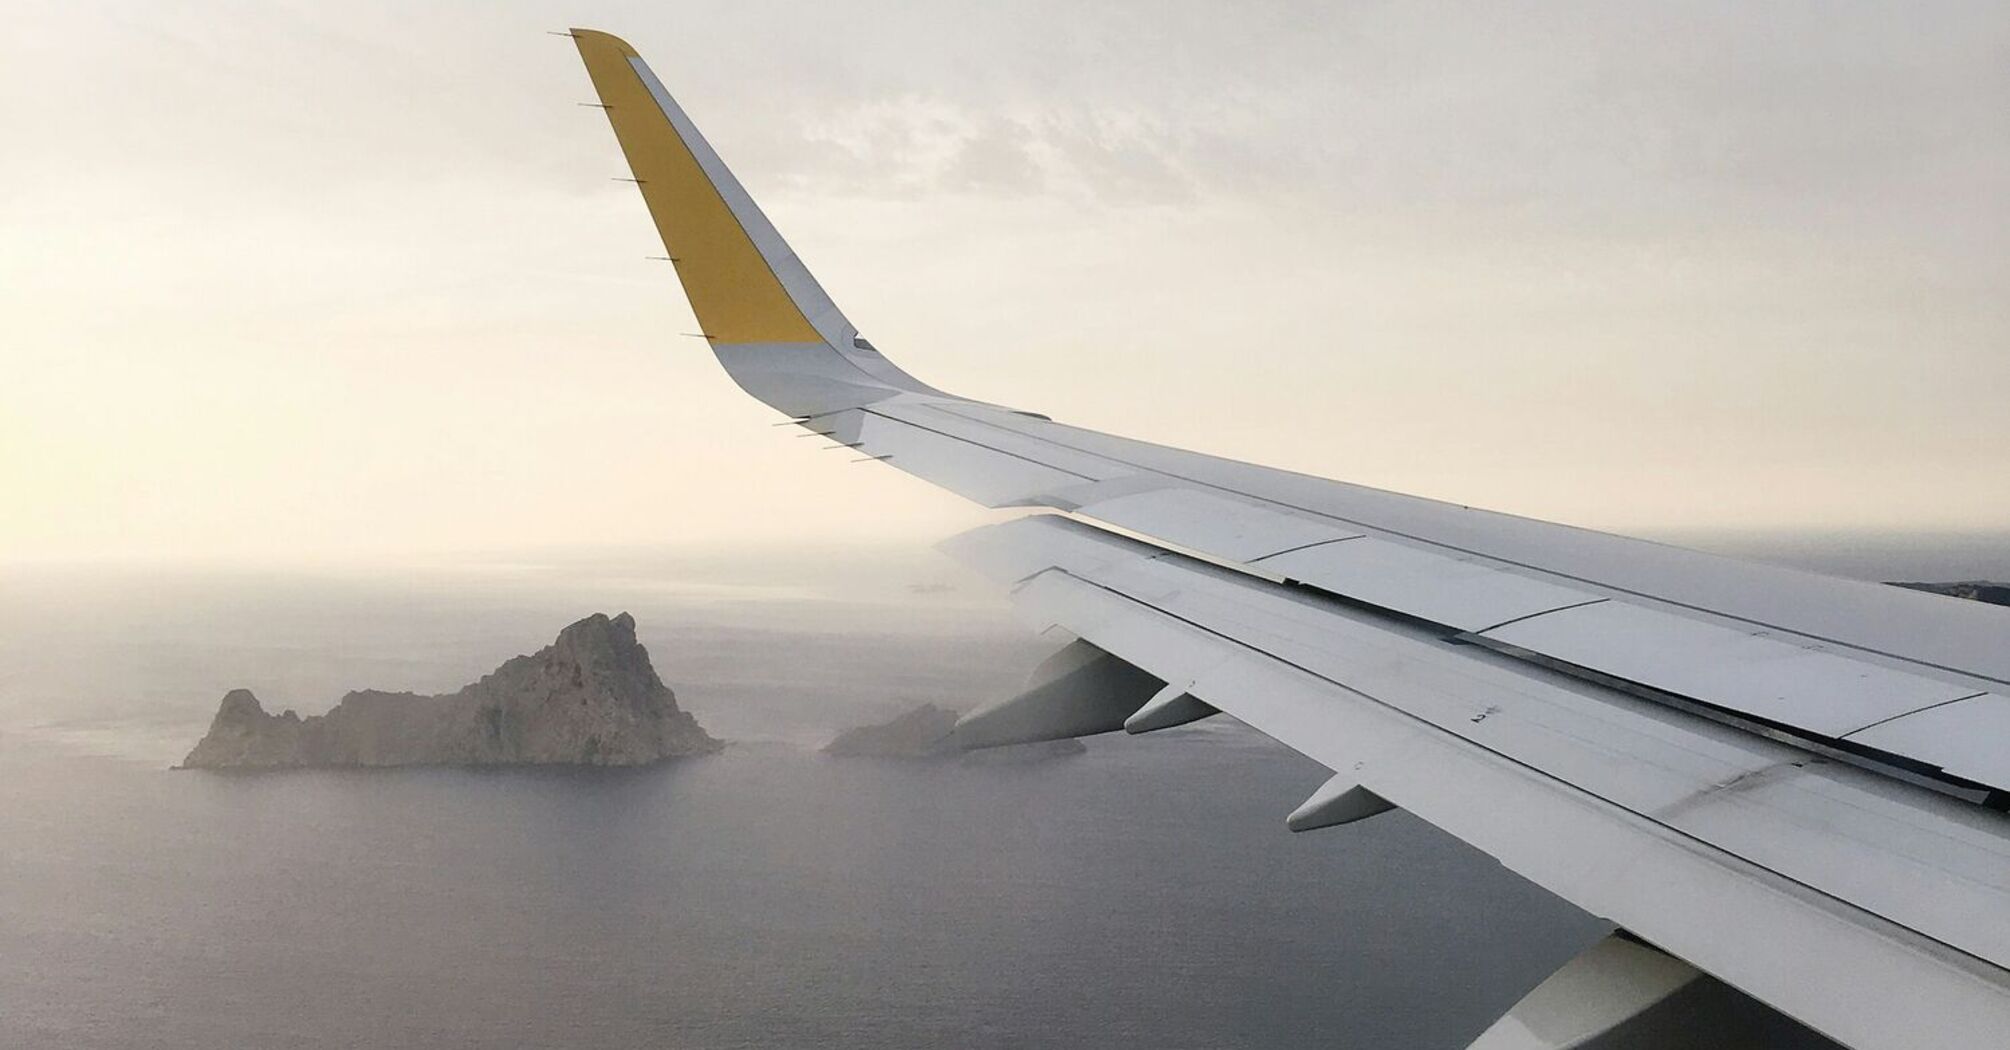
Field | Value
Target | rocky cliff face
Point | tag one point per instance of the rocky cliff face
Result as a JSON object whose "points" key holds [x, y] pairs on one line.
{"points": [[590, 698]]}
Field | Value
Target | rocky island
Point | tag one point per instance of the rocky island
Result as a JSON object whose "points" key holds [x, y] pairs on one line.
{"points": [[929, 731], [591, 698], [1988, 591], [920, 732]]}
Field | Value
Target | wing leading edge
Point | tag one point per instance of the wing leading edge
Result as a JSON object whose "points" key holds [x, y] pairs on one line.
{"points": [[1783, 779]]}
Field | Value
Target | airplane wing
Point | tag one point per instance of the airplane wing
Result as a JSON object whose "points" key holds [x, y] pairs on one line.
{"points": [[1770, 781]]}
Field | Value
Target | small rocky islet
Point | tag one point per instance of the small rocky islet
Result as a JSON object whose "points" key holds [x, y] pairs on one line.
{"points": [[591, 698], [1987, 591], [929, 731], [926, 731]]}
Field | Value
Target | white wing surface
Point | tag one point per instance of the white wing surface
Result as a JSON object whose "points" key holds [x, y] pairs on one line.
{"points": [[1793, 784]]}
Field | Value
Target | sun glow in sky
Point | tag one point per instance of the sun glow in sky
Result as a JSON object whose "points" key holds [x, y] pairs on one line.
{"points": [[293, 281]]}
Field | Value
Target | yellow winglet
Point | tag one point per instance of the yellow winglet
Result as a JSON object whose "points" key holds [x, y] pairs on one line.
{"points": [[725, 252]]}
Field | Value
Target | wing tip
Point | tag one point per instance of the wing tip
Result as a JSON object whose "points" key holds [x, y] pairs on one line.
{"points": [[584, 36]]}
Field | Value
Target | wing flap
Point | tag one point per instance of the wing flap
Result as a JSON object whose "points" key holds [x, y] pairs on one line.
{"points": [[1457, 592], [1795, 882], [1747, 671], [1925, 861], [1969, 738]]}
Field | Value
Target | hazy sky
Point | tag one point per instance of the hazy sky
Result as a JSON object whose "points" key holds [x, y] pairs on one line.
{"points": [[353, 280]]}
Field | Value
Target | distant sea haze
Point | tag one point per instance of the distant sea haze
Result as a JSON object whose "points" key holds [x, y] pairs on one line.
{"points": [[1866, 555], [1144, 893]]}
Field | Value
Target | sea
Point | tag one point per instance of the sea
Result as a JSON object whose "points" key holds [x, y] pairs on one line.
{"points": [[1142, 894]]}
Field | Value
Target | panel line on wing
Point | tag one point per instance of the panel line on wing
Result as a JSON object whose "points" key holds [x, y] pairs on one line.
{"points": [[1358, 523], [869, 411], [1869, 917], [1915, 711], [1533, 615], [1309, 546]]}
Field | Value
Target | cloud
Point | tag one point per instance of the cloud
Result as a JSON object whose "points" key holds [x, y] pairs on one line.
{"points": [[1500, 253]]}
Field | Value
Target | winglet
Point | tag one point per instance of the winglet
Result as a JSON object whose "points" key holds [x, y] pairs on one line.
{"points": [[745, 284]]}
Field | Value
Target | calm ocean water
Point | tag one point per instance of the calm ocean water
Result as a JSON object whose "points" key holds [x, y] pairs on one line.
{"points": [[1143, 894]]}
